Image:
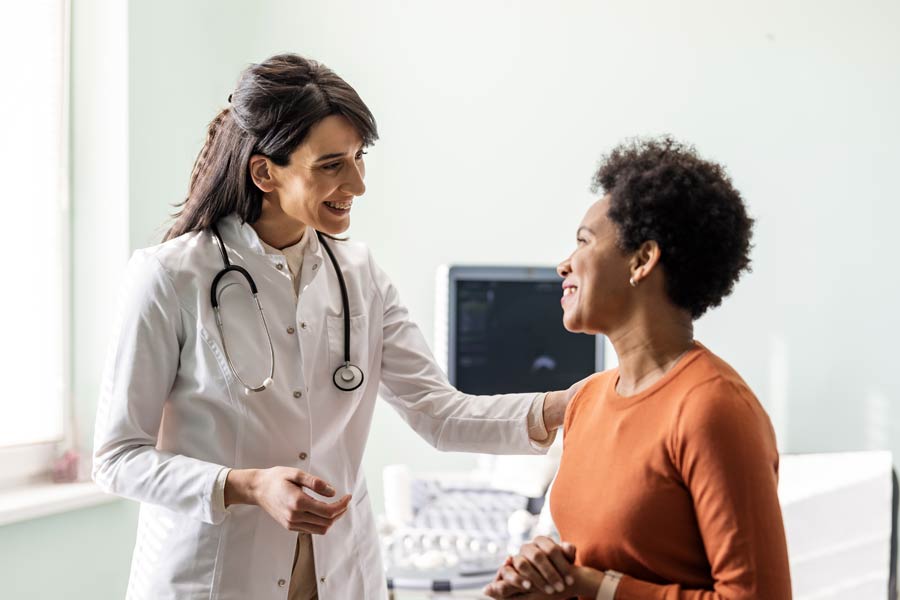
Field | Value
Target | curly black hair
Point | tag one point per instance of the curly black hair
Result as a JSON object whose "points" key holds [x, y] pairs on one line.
{"points": [[661, 190]]}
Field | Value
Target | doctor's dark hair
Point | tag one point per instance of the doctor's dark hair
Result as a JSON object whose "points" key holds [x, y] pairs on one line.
{"points": [[273, 108], [661, 190]]}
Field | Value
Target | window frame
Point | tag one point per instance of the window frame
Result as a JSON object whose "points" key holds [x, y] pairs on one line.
{"points": [[32, 463]]}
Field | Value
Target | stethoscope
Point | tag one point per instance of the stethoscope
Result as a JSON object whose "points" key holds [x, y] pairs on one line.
{"points": [[347, 377]]}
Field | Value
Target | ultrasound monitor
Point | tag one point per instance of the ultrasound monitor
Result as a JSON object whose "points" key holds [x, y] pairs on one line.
{"points": [[500, 331]]}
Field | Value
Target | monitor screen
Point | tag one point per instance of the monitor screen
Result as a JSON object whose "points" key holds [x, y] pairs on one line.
{"points": [[506, 332]]}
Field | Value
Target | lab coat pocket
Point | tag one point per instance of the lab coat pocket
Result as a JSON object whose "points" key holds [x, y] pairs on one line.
{"points": [[175, 556], [359, 352]]}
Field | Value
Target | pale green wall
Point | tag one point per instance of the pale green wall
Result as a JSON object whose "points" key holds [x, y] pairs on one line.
{"points": [[80, 555], [184, 58], [492, 114]]}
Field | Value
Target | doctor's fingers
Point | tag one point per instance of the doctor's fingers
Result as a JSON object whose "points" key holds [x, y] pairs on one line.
{"points": [[308, 528], [308, 518], [319, 486], [331, 510], [311, 524]]}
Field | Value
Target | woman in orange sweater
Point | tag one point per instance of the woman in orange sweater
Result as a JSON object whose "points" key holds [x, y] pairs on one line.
{"points": [[667, 487]]}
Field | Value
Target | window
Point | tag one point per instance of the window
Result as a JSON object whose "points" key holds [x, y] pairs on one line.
{"points": [[34, 241]]}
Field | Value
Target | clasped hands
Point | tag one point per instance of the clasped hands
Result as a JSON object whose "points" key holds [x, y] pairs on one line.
{"points": [[543, 570]]}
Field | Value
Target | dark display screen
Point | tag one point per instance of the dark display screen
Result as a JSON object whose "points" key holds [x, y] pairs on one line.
{"points": [[510, 338]]}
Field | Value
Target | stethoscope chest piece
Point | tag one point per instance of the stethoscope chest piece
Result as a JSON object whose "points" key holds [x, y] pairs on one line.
{"points": [[348, 377]]}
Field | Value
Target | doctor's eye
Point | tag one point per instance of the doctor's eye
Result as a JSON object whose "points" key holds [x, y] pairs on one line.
{"points": [[580, 241], [332, 166], [360, 154]]}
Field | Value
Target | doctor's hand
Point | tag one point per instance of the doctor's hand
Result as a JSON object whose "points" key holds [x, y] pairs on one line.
{"points": [[556, 402], [542, 569], [280, 492]]}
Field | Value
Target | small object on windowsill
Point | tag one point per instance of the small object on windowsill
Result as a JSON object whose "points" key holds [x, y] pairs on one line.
{"points": [[65, 469]]}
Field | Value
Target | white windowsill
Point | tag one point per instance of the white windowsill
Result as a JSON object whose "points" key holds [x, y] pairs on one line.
{"points": [[43, 499]]}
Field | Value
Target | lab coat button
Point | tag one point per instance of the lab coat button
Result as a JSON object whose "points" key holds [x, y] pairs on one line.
{"points": [[279, 266], [290, 330], [303, 455], [322, 580], [297, 394], [281, 582], [315, 266], [303, 325]]}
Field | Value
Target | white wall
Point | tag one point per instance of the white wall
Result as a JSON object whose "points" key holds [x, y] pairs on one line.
{"points": [[494, 113]]}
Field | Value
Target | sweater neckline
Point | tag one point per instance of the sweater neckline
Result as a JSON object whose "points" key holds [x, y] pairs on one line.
{"points": [[619, 401]]}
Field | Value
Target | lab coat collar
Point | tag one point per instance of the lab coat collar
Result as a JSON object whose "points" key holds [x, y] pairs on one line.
{"points": [[236, 231]]}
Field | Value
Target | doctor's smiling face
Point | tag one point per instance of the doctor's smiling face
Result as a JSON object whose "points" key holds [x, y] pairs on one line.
{"points": [[318, 185], [299, 131], [595, 276]]}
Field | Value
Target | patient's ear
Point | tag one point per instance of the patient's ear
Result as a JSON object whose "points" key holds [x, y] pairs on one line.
{"points": [[644, 260]]}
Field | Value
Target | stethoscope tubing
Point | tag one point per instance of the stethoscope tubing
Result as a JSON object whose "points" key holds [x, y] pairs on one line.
{"points": [[345, 298], [346, 377]]}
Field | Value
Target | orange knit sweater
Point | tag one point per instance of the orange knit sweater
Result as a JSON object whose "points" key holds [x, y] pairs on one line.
{"points": [[676, 487]]}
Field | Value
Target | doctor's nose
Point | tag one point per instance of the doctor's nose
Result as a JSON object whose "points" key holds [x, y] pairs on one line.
{"points": [[564, 268], [355, 183]]}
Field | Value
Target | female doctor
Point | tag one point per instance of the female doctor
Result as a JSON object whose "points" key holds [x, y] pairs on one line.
{"points": [[249, 350]]}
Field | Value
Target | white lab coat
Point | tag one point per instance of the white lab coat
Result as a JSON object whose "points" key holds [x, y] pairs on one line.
{"points": [[171, 414]]}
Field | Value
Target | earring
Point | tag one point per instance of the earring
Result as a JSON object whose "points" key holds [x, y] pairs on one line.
{"points": [[632, 282]]}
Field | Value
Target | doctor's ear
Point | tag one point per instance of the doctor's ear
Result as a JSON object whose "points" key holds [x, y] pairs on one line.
{"points": [[262, 173]]}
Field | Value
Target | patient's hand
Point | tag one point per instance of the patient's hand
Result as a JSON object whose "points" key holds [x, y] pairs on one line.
{"points": [[542, 569], [567, 595]]}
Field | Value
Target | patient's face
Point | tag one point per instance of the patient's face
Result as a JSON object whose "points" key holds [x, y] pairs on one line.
{"points": [[595, 284]]}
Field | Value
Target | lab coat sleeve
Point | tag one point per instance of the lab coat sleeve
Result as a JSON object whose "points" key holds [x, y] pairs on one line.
{"points": [[449, 420], [141, 367]]}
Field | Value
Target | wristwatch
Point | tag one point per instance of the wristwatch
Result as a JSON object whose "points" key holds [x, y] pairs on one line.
{"points": [[609, 585]]}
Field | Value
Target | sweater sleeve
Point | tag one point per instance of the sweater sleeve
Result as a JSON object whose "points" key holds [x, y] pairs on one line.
{"points": [[724, 447]]}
